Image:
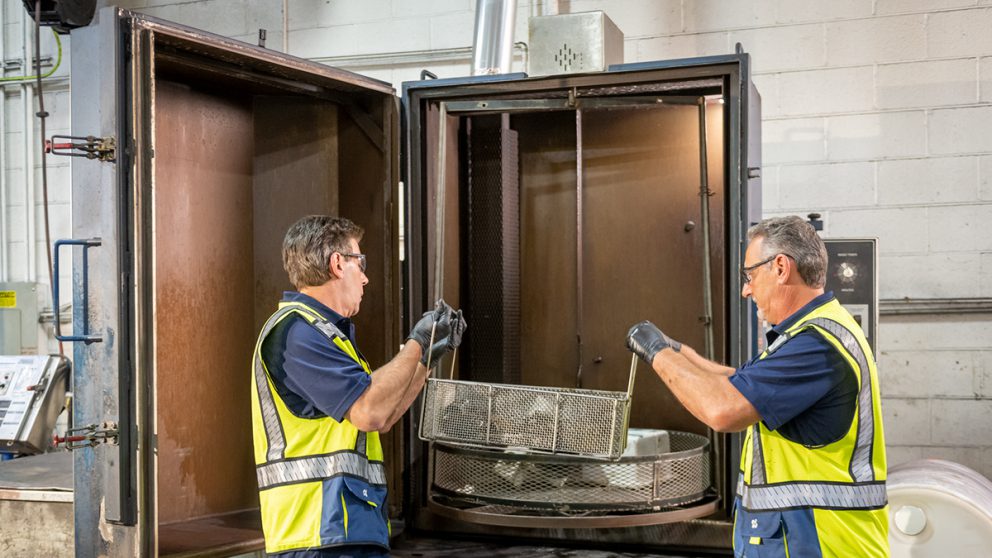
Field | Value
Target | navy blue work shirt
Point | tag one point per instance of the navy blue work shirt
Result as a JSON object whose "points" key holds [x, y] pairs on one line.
{"points": [[805, 390], [314, 377]]}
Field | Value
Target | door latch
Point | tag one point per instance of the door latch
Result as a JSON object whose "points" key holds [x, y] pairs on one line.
{"points": [[91, 147], [88, 436]]}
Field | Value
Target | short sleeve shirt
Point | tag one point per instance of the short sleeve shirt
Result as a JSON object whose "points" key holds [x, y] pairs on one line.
{"points": [[314, 377], [805, 389]]}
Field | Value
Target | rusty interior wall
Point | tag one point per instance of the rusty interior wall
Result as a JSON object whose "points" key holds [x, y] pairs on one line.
{"points": [[641, 186], [204, 322], [295, 174], [548, 354]]}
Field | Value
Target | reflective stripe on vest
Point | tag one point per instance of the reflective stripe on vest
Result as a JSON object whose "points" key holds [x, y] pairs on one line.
{"points": [[316, 468], [812, 494]]}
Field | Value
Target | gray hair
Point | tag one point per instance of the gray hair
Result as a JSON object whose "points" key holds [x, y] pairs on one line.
{"points": [[796, 238], [309, 243]]}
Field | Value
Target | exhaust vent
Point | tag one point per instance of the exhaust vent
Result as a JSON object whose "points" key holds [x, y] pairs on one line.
{"points": [[573, 44]]}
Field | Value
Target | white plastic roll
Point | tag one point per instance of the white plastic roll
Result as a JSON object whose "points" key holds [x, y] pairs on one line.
{"points": [[939, 509]]}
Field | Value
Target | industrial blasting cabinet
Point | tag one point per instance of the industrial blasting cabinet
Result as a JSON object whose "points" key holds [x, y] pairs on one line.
{"points": [[557, 211]]}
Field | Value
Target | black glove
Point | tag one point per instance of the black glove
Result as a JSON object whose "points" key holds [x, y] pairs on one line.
{"points": [[447, 333], [646, 340]]}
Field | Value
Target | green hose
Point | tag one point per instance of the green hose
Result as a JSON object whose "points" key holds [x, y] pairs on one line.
{"points": [[58, 62]]}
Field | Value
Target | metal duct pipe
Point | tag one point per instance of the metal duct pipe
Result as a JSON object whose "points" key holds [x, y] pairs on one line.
{"points": [[492, 50]]}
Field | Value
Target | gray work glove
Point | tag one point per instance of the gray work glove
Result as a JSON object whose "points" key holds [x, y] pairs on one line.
{"points": [[646, 340], [447, 333]]}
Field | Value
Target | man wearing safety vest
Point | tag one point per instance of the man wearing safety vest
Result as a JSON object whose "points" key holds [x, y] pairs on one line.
{"points": [[812, 476], [318, 408]]}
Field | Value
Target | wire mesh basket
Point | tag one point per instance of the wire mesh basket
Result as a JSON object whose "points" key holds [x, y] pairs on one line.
{"points": [[530, 419], [677, 476]]}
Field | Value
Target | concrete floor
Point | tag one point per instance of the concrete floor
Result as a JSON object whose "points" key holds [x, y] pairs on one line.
{"points": [[441, 548]]}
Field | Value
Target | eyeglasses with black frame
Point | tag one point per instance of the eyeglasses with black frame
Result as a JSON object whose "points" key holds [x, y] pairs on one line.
{"points": [[746, 271], [362, 263]]}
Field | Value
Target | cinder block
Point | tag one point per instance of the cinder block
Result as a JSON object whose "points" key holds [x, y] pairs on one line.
{"points": [[268, 16], [59, 184], [793, 47], [365, 38], [959, 33], [879, 39], [636, 18], [940, 275], [308, 14], [985, 177], [682, 46], [961, 228], [897, 455], [935, 332], [223, 17], [906, 421], [876, 136], [928, 181], [985, 79], [405, 9], [962, 422], [793, 140], [16, 225], [17, 258], [985, 282], [769, 190], [926, 84], [922, 374], [454, 30], [15, 186], [799, 11], [898, 229], [886, 7], [712, 15], [960, 130], [826, 91], [826, 186]]}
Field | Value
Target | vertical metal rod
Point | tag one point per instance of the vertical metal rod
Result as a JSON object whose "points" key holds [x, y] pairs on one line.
{"points": [[439, 200], [27, 98], [704, 200], [554, 432], [578, 244]]}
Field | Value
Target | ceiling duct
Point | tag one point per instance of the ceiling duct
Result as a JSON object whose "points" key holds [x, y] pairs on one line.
{"points": [[492, 49]]}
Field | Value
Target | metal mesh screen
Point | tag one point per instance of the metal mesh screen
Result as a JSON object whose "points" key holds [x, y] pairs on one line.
{"points": [[536, 419], [493, 259], [676, 478]]}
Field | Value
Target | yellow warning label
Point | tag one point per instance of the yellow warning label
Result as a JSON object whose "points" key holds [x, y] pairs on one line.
{"points": [[8, 299]]}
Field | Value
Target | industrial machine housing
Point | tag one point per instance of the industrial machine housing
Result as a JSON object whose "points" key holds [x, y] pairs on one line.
{"points": [[556, 210]]}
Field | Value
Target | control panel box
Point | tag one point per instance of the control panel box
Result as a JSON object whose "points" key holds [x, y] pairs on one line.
{"points": [[32, 394], [852, 276]]}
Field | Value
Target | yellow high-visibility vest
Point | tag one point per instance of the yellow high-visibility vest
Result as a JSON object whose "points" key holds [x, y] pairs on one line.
{"points": [[830, 498], [321, 482]]}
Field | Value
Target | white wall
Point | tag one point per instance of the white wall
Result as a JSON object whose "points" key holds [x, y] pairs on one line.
{"points": [[22, 234], [877, 114]]}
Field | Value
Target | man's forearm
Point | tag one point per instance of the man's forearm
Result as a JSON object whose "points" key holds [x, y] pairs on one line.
{"points": [[704, 363], [413, 389], [374, 408], [705, 392]]}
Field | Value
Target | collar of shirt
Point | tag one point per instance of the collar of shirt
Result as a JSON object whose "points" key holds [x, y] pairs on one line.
{"points": [[342, 323], [782, 327]]}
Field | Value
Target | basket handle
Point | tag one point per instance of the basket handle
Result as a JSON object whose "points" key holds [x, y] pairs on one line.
{"points": [[630, 380]]}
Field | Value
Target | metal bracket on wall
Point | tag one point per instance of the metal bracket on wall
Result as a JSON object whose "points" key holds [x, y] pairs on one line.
{"points": [[91, 147]]}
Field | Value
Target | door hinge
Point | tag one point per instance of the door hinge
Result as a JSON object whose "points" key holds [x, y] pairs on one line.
{"points": [[88, 436], [91, 147]]}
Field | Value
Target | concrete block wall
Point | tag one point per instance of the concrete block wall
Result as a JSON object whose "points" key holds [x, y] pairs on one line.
{"points": [[876, 115], [22, 222]]}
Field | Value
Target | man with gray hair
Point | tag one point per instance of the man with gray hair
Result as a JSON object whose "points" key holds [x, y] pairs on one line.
{"points": [[317, 406], [812, 476]]}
